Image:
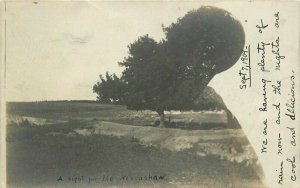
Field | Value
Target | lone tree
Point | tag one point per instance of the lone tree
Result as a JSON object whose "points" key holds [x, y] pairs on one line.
{"points": [[149, 75], [172, 73]]}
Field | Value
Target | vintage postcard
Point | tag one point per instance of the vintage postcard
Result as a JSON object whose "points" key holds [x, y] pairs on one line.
{"points": [[149, 94]]}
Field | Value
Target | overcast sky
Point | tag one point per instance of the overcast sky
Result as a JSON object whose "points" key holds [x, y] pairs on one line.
{"points": [[56, 50]]}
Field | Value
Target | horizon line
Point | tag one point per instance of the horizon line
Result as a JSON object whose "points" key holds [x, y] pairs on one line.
{"points": [[57, 100]]}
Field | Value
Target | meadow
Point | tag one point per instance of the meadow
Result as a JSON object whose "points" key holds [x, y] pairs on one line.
{"points": [[66, 111], [85, 144]]}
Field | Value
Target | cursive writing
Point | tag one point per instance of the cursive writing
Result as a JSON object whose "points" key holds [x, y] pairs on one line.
{"points": [[290, 105], [293, 139], [265, 102], [293, 165], [279, 145], [245, 71], [277, 88], [278, 113], [265, 141], [280, 176], [262, 49], [261, 26], [276, 15], [275, 50]]}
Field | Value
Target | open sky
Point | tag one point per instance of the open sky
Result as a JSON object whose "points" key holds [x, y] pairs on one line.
{"points": [[56, 50]]}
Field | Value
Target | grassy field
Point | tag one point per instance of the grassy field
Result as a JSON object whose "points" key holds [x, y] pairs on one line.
{"points": [[37, 155], [114, 113]]}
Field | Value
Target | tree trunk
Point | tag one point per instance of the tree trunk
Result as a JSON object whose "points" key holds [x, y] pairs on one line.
{"points": [[161, 119]]}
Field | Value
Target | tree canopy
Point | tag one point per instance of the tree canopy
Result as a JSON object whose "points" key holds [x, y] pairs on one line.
{"points": [[172, 73], [110, 89], [207, 38]]}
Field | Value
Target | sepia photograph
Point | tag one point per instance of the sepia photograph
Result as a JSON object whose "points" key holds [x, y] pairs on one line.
{"points": [[150, 94]]}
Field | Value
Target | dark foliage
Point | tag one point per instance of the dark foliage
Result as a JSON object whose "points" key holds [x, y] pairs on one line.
{"points": [[110, 89], [172, 73]]}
